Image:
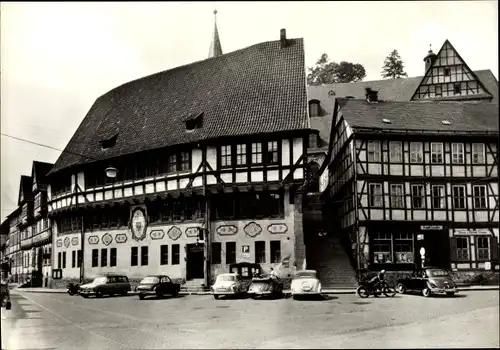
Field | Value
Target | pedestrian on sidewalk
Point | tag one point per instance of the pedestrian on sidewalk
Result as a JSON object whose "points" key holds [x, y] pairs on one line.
{"points": [[4, 286]]}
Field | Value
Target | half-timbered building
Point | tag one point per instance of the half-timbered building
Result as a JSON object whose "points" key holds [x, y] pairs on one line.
{"points": [[415, 169], [217, 145]]}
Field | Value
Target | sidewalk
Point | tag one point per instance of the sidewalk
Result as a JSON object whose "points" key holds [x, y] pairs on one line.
{"points": [[325, 291]]}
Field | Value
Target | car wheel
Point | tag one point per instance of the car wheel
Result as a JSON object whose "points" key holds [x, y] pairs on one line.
{"points": [[85, 296], [426, 292], [400, 288], [159, 294], [450, 294], [175, 293], [98, 294], [295, 297], [141, 296], [124, 292], [111, 294], [216, 297]]}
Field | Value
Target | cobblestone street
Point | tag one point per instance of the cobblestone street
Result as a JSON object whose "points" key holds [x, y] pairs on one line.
{"points": [[48, 321]]}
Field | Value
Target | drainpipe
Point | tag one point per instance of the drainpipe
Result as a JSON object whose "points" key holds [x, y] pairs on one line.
{"points": [[206, 233], [356, 221]]}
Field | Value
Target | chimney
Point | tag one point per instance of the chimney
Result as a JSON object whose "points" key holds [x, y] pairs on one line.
{"points": [[283, 40], [371, 95]]}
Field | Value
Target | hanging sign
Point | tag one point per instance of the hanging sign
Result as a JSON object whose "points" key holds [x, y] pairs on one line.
{"points": [[431, 227]]}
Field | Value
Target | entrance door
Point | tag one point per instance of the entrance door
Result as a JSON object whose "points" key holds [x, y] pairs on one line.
{"points": [[437, 249], [195, 260]]}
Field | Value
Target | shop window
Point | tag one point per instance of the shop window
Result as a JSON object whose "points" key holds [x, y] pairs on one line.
{"points": [[397, 196], [164, 254], [396, 151], [436, 153], [462, 248], [483, 249], [134, 252], [275, 252], [417, 196], [95, 257], [478, 153], [175, 254], [73, 258], [216, 252], [459, 197], [230, 252], [79, 261], [260, 252], [480, 197], [403, 247], [112, 257], [382, 248], [438, 198], [104, 257], [416, 152], [374, 151], [63, 260], [375, 195], [144, 256], [457, 153]]}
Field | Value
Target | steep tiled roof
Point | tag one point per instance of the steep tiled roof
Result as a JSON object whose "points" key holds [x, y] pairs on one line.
{"points": [[417, 116], [259, 89], [25, 186], [40, 170]]}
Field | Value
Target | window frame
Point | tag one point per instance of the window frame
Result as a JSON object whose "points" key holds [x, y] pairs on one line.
{"points": [[455, 198], [422, 196], [164, 256], [480, 250], [394, 197], [395, 151], [457, 156], [215, 253], [260, 254], [230, 253], [113, 257], [95, 257], [104, 257], [374, 154], [241, 155], [416, 155], [475, 153], [256, 153], [460, 256], [144, 255], [276, 252], [372, 196], [480, 198], [442, 197], [226, 155], [440, 153], [134, 256], [176, 254]]}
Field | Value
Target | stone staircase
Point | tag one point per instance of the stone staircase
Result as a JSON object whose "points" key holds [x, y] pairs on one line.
{"points": [[194, 286]]}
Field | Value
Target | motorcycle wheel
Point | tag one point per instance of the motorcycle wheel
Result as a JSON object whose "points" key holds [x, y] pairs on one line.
{"points": [[362, 292], [70, 293], [389, 292]]}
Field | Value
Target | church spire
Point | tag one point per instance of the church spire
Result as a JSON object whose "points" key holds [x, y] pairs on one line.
{"points": [[215, 47]]}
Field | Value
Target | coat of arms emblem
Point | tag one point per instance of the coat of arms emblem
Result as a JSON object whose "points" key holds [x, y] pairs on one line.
{"points": [[138, 224]]}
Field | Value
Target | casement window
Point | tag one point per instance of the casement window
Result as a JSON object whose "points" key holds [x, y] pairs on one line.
{"points": [[63, 260], [216, 252], [172, 163], [417, 196], [396, 151], [438, 198], [462, 248], [79, 258], [416, 152], [397, 196], [164, 254], [313, 109], [478, 153], [104, 257], [479, 192], [241, 154], [179, 162], [375, 195], [185, 161], [275, 252], [134, 256], [73, 258], [230, 252], [257, 153], [112, 257], [225, 156], [176, 254], [457, 153], [95, 257], [144, 256], [272, 152], [403, 247], [374, 151], [260, 252], [437, 153], [458, 197], [382, 248], [483, 248]]}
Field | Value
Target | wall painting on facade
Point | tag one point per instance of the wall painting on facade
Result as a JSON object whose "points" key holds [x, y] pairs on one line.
{"points": [[277, 228], [252, 229], [107, 239], [75, 241], [93, 239], [121, 238], [59, 243], [138, 224], [174, 233], [157, 234], [192, 231], [67, 242], [226, 230]]}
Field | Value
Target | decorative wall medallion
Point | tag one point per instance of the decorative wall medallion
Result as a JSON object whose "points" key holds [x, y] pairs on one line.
{"points": [[93, 239], [59, 243], [227, 230], [75, 241], [121, 238], [252, 229], [67, 242], [107, 239], [157, 234], [138, 224], [277, 228], [192, 231], [174, 233]]}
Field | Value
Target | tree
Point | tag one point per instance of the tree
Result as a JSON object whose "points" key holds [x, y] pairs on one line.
{"points": [[393, 66], [326, 72]]}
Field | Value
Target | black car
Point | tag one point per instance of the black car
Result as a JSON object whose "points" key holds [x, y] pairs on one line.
{"points": [[158, 285], [428, 280]]}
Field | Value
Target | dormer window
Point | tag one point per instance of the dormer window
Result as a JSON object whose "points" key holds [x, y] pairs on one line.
{"points": [[194, 122], [445, 122], [313, 108], [110, 142], [386, 121]]}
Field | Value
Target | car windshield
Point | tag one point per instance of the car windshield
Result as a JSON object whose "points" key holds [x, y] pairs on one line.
{"points": [[150, 279], [438, 273], [225, 278], [100, 280], [305, 274]]}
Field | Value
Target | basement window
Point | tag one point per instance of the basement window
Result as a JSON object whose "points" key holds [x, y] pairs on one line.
{"points": [[110, 142], [194, 122], [445, 122], [387, 121]]}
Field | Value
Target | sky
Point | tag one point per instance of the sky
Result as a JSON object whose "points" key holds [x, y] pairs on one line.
{"points": [[57, 58]]}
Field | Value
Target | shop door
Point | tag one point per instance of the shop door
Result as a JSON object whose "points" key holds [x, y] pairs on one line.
{"points": [[195, 260]]}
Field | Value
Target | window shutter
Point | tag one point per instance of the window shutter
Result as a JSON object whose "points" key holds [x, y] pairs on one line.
{"points": [[494, 249], [453, 250]]}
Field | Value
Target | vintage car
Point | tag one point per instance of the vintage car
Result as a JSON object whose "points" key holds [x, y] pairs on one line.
{"points": [[157, 285], [106, 285], [228, 284], [428, 280], [305, 282], [266, 286]]}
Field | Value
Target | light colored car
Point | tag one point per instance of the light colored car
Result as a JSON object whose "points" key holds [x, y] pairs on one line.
{"points": [[305, 282], [228, 284]]}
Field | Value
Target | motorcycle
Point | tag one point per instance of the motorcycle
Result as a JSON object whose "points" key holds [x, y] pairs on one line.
{"points": [[365, 289], [73, 288]]}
